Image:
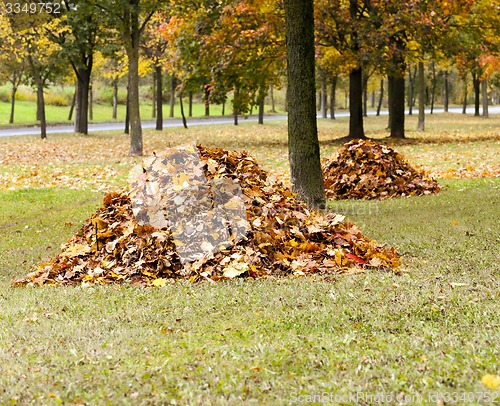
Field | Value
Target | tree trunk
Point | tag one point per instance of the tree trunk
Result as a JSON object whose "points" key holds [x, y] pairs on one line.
{"points": [[181, 105], [235, 105], [365, 96], [333, 91], [446, 92], [206, 100], [91, 103], [82, 100], [115, 99], [372, 104], [484, 91], [421, 97], [411, 90], [397, 106], [12, 103], [477, 91], [159, 97], [190, 107], [356, 129], [381, 98], [434, 84], [134, 111], [127, 111], [153, 96], [72, 107], [464, 105], [173, 85], [41, 109], [261, 100], [271, 94], [303, 144], [324, 100], [223, 108]]}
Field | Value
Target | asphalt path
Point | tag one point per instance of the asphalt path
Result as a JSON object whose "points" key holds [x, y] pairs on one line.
{"points": [[171, 123]]}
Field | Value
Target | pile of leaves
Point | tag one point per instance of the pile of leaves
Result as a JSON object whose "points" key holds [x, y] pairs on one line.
{"points": [[365, 169], [283, 237]]}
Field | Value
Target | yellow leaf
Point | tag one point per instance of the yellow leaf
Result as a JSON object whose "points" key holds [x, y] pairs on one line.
{"points": [[234, 269], [491, 381], [159, 282], [293, 243]]}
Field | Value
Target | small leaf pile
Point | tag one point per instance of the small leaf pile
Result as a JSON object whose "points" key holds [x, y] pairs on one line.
{"points": [[365, 169], [284, 238]]}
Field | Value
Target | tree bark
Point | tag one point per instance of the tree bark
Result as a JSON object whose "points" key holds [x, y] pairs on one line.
{"points": [[411, 90], [446, 89], [397, 106], [434, 84], [324, 100], [303, 144], [356, 129], [365, 95], [72, 107], [271, 95], [464, 104], [181, 105], [82, 98], [477, 84], [235, 105], [261, 100], [206, 100], [190, 107], [12, 104], [41, 109], [333, 93], [159, 97], [421, 97], [484, 91], [127, 111], [173, 85], [381, 98], [91, 103]]}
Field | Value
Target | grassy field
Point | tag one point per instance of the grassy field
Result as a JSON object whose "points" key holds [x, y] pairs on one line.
{"points": [[431, 331]]}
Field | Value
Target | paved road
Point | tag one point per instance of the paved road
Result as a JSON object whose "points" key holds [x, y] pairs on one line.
{"points": [[170, 123]]}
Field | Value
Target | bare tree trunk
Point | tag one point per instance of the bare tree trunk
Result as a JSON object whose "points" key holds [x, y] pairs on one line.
{"points": [[365, 96], [72, 107], [381, 98], [303, 144], [41, 109], [411, 88], [484, 91], [173, 84], [159, 97], [464, 105], [434, 84], [127, 112], [115, 99], [235, 105], [223, 108], [333, 91], [446, 92], [82, 100], [91, 103], [477, 91], [181, 105], [190, 108], [421, 97], [206, 99], [397, 106], [271, 94], [323, 93], [356, 129], [12, 103]]}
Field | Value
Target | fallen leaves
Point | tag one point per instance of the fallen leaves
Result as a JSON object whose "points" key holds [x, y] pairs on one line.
{"points": [[284, 237], [491, 381], [367, 170]]}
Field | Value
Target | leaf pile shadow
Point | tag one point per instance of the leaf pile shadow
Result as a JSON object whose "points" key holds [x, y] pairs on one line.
{"points": [[365, 169], [284, 238]]}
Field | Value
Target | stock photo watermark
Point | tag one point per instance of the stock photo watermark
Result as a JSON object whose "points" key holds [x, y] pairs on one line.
{"points": [[401, 399]]}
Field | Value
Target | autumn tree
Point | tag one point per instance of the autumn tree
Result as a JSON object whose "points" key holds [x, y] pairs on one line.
{"points": [[128, 19], [303, 144]]}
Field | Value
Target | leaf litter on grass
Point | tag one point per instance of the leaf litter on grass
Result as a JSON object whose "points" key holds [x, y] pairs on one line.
{"points": [[133, 237], [365, 169]]}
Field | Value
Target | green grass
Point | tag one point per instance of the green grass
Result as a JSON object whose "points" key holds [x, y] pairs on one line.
{"points": [[25, 112], [432, 329]]}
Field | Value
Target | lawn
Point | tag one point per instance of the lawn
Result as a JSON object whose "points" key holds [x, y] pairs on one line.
{"points": [[432, 330]]}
